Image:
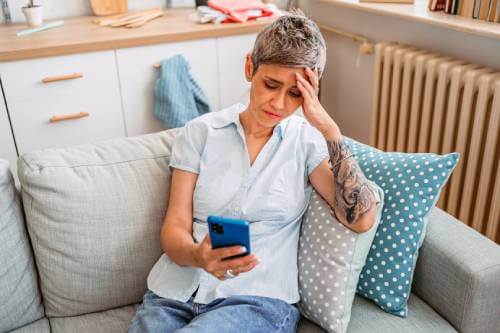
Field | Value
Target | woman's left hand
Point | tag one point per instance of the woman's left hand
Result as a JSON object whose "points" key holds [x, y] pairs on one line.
{"points": [[312, 109]]}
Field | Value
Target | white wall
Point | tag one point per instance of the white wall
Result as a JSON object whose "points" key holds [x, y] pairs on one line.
{"points": [[347, 88]]}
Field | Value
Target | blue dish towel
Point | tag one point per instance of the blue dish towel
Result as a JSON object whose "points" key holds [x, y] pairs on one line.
{"points": [[178, 98]]}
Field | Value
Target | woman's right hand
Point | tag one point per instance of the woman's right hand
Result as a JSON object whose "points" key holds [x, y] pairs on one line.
{"points": [[213, 260]]}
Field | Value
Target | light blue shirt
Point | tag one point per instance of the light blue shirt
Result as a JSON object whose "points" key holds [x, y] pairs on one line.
{"points": [[272, 194]]}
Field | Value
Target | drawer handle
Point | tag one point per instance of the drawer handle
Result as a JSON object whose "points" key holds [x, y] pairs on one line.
{"points": [[54, 119], [62, 77]]}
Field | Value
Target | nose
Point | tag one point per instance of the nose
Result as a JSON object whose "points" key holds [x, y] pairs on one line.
{"points": [[278, 101]]}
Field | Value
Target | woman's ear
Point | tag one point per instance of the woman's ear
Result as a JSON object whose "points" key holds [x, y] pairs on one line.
{"points": [[248, 68]]}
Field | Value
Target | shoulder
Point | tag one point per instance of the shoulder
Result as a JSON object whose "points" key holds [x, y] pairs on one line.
{"points": [[302, 129], [310, 140]]}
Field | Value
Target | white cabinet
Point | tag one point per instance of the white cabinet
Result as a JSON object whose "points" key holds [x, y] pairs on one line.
{"points": [[231, 52], [138, 76], [7, 146], [114, 90], [77, 84]]}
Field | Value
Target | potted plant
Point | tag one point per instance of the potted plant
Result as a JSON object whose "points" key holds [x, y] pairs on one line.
{"points": [[33, 13]]}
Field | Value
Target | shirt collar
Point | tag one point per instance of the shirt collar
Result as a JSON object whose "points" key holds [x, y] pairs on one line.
{"points": [[233, 118]]}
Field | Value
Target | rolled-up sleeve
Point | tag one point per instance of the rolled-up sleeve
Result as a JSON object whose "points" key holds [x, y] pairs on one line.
{"points": [[316, 148], [188, 147]]}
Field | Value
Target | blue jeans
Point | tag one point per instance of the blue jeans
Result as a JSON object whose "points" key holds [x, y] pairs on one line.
{"points": [[233, 314]]}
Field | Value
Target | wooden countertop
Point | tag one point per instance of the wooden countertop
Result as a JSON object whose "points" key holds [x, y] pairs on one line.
{"points": [[79, 34]]}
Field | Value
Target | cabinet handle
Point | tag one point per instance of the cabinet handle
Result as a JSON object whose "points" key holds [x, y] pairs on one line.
{"points": [[62, 77], [54, 119]]}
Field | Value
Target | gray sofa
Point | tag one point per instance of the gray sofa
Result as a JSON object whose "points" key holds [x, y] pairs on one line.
{"points": [[77, 260]]}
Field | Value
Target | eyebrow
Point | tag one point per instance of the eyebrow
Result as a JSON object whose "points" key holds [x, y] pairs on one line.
{"points": [[276, 81]]}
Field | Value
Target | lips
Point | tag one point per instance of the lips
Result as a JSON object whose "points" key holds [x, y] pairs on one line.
{"points": [[272, 115]]}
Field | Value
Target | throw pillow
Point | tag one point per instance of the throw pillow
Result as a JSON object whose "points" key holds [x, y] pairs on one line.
{"points": [[20, 300], [411, 184], [331, 257]]}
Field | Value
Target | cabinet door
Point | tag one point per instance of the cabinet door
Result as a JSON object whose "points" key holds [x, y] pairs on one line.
{"points": [[138, 75], [7, 147], [231, 52], [32, 103]]}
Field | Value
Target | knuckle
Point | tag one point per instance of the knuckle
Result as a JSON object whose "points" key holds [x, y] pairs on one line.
{"points": [[240, 262], [250, 260], [247, 268]]}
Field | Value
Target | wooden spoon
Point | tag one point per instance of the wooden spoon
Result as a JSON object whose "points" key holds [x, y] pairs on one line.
{"points": [[140, 22]]}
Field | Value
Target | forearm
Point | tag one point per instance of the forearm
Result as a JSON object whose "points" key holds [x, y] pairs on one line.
{"points": [[178, 244], [354, 196]]}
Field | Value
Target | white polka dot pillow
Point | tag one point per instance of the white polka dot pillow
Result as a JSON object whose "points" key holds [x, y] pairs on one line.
{"points": [[330, 260], [411, 184]]}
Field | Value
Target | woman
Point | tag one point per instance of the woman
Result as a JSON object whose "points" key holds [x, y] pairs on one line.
{"points": [[257, 163]]}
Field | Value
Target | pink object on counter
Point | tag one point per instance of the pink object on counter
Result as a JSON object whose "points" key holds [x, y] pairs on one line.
{"points": [[240, 10]]}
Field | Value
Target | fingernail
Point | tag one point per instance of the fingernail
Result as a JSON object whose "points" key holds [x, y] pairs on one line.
{"points": [[243, 249]]}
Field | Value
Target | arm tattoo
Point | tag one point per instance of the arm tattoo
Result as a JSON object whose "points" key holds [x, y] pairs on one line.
{"points": [[353, 195]]}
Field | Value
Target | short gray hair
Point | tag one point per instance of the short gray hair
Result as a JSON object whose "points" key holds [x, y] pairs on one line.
{"points": [[292, 40]]}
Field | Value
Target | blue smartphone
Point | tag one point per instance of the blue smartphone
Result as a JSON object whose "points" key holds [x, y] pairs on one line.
{"points": [[226, 231]]}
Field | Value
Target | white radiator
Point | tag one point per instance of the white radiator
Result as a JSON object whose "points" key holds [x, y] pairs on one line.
{"points": [[426, 102]]}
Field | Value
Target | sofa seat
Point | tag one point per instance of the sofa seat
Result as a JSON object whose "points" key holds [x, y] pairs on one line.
{"points": [[366, 317], [39, 326], [110, 321]]}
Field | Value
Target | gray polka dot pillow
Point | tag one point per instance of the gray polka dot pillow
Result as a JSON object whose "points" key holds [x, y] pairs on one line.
{"points": [[331, 257]]}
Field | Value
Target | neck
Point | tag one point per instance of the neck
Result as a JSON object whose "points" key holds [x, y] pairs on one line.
{"points": [[252, 128]]}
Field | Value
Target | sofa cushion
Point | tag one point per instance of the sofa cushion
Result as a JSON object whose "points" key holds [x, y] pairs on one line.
{"points": [[367, 317], [110, 321], [330, 260], [40, 326], [20, 302], [94, 214]]}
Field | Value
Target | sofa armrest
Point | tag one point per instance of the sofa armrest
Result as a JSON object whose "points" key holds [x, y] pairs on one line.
{"points": [[458, 274]]}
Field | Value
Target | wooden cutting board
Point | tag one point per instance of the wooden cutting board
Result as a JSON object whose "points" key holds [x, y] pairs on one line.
{"points": [[109, 7]]}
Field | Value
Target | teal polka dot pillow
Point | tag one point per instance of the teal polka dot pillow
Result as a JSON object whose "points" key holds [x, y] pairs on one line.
{"points": [[411, 184]]}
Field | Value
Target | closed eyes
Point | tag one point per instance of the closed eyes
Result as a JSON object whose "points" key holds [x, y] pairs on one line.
{"points": [[293, 93]]}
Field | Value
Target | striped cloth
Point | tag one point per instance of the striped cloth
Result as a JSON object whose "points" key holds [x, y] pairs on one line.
{"points": [[178, 98]]}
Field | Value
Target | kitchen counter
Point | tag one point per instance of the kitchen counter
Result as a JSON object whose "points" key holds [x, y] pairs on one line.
{"points": [[80, 34]]}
